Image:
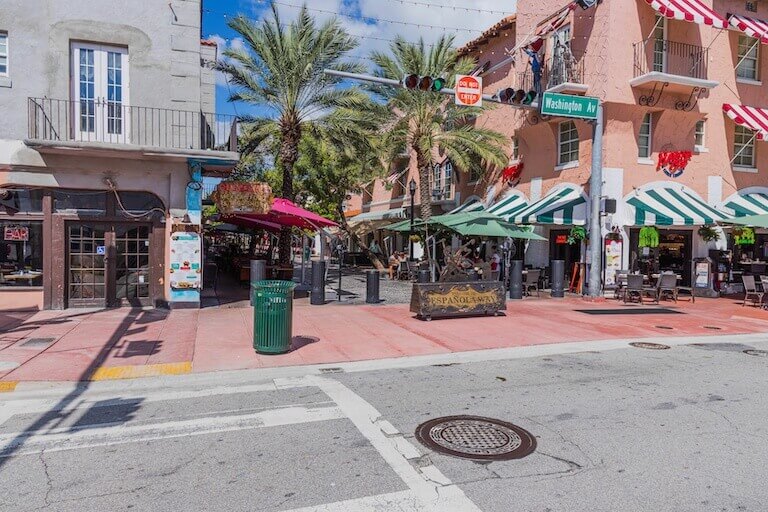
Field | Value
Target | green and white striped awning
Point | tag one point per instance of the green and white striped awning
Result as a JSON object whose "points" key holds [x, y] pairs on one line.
{"points": [[508, 206], [473, 205], [565, 205], [744, 203], [670, 206]]}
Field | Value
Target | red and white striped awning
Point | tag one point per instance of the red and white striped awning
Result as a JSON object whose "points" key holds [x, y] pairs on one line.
{"points": [[549, 25], [688, 10], [750, 26], [750, 117]]}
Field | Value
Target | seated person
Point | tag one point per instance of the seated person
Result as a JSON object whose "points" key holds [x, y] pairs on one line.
{"points": [[394, 264]]}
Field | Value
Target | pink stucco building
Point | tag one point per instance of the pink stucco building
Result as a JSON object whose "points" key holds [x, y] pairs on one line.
{"points": [[673, 76]]}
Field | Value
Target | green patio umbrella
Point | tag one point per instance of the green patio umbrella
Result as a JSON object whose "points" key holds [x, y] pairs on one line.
{"points": [[756, 221], [405, 225], [483, 224]]}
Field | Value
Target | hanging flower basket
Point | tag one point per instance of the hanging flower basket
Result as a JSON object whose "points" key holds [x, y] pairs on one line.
{"points": [[242, 197], [673, 163], [709, 234], [511, 174], [577, 234]]}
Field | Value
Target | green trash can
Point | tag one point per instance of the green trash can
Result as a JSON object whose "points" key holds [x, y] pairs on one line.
{"points": [[272, 316]]}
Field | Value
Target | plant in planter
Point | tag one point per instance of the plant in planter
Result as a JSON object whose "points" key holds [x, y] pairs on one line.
{"points": [[744, 236], [415, 238], [709, 234], [577, 234], [649, 237]]}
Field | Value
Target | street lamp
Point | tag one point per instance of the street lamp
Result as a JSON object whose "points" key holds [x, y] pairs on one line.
{"points": [[412, 190]]}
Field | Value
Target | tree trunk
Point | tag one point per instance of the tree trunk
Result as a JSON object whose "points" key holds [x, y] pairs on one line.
{"points": [[425, 197], [290, 135], [378, 264]]}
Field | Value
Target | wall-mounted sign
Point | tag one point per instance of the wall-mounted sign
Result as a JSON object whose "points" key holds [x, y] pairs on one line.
{"points": [[16, 234], [186, 260]]}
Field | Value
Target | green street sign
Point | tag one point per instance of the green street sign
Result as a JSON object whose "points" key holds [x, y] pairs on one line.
{"points": [[568, 105]]}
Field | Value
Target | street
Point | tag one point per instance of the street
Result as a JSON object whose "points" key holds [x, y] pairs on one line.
{"points": [[618, 428]]}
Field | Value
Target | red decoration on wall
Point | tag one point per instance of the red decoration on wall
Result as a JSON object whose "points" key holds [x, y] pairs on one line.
{"points": [[673, 163], [512, 173]]}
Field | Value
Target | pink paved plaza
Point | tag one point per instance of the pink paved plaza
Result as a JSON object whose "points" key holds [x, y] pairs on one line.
{"points": [[120, 343]]}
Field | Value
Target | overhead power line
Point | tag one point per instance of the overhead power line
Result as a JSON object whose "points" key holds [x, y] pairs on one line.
{"points": [[362, 18], [453, 7]]}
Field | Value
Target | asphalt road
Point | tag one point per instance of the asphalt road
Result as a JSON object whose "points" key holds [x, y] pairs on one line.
{"points": [[617, 429]]}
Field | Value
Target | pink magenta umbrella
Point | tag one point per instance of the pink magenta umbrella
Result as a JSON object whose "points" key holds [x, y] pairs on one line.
{"points": [[286, 213], [252, 223]]}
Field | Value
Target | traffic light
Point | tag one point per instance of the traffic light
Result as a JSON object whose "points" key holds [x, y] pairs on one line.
{"points": [[516, 97], [423, 83]]}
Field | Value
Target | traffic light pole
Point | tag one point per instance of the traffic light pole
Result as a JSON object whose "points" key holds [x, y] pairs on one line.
{"points": [[595, 194], [396, 83]]}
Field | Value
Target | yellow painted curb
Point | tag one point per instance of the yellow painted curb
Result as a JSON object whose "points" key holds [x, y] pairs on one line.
{"points": [[8, 386], [147, 370]]}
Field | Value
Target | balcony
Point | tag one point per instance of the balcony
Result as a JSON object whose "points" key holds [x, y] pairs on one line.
{"points": [[678, 67], [560, 74], [107, 126]]}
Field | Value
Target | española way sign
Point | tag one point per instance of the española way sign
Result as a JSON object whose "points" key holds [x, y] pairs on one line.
{"points": [[567, 105]]}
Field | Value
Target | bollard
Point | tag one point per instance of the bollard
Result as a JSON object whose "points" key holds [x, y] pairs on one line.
{"points": [[516, 279], [258, 273], [425, 276], [317, 294], [372, 286], [558, 278]]}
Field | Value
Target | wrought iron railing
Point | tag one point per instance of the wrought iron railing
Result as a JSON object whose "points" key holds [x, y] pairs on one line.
{"points": [[554, 72], [663, 56], [115, 123]]}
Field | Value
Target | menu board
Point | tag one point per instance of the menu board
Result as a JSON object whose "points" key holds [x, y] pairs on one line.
{"points": [[613, 249], [16, 234], [702, 274], [186, 261]]}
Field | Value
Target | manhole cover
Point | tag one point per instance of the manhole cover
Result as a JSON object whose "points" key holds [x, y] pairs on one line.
{"points": [[649, 346], [475, 437], [756, 352], [713, 328], [37, 342]]}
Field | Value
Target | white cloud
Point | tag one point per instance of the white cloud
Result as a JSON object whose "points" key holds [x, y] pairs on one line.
{"points": [[373, 34]]}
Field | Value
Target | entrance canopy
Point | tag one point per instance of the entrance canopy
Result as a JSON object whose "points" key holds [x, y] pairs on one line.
{"points": [[509, 205], [753, 118], [670, 206], [473, 205], [688, 10], [755, 221], [753, 27], [747, 202], [565, 205]]}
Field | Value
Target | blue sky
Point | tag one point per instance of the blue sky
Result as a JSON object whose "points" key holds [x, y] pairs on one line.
{"points": [[363, 18]]}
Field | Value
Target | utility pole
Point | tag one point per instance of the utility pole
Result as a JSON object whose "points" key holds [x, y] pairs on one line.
{"points": [[595, 194]]}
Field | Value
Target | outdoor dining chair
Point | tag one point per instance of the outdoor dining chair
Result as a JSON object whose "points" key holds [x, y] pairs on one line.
{"points": [[634, 288], [621, 284], [750, 291], [403, 270], [667, 286], [532, 282]]}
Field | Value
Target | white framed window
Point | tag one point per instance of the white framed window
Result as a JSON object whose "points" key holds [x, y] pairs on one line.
{"points": [[3, 53], [448, 179], [743, 147], [644, 137], [100, 92], [568, 143], [748, 58], [699, 138], [659, 38]]}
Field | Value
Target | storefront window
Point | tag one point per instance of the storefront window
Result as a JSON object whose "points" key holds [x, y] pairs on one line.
{"points": [[132, 204], [14, 201], [83, 202], [21, 253]]}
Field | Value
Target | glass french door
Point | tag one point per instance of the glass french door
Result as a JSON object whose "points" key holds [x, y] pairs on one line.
{"points": [[108, 265], [660, 45], [100, 93]]}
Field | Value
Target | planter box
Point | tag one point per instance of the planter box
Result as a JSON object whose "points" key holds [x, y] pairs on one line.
{"points": [[445, 300]]}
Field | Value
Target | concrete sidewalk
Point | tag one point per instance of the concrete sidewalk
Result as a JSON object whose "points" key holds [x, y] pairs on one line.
{"points": [[83, 345]]}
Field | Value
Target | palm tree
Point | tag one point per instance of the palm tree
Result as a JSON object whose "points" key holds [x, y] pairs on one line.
{"points": [[281, 68], [427, 122]]}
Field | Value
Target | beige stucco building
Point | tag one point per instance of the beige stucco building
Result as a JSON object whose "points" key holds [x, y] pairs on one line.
{"points": [[108, 128], [670, 80]]}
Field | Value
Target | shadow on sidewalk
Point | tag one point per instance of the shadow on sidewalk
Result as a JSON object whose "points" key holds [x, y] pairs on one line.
{"points": [[60, 413]]}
